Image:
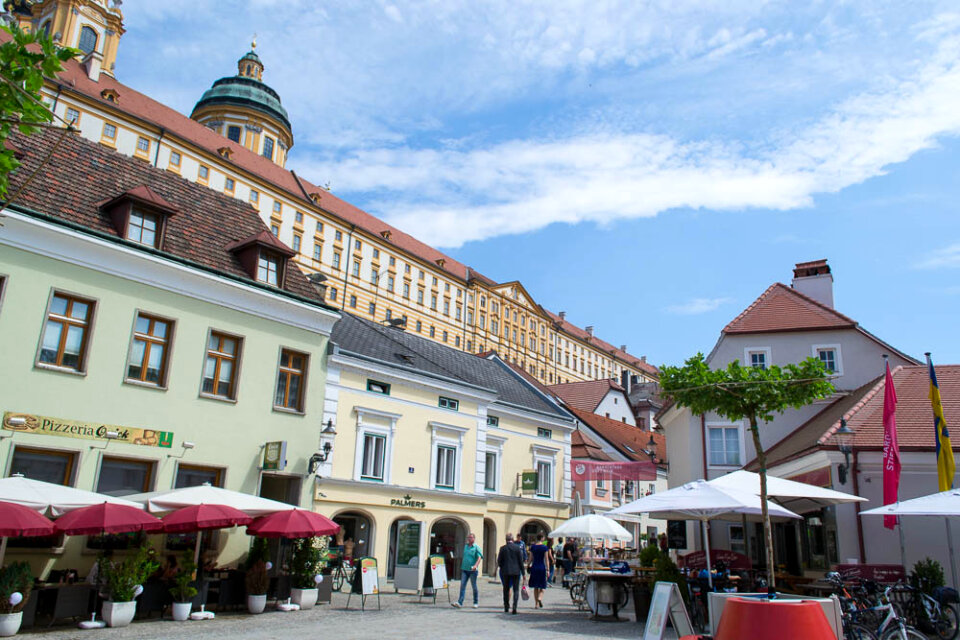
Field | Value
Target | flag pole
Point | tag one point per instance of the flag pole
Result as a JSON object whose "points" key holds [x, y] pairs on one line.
{"points": [[935, 400], [903, 551]]}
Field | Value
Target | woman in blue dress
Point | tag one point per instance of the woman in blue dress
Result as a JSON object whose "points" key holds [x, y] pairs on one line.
{"points": [[540, 557]]}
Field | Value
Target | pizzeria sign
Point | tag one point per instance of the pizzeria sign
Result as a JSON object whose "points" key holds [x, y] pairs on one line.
{"points": [[30, 423]]}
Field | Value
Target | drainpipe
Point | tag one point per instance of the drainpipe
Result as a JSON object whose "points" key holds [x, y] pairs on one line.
{"points": [[855, 472], [156, 155], [56, 98], [347, 266], [703, 443]]}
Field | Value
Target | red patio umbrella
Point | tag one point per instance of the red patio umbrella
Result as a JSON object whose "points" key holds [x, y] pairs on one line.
{"points": [[17, 520], [106, 517], [296, 523], [199, 517]]}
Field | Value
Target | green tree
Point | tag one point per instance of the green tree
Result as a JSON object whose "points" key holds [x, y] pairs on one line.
{"points": [[750, 393], [25, 59]]}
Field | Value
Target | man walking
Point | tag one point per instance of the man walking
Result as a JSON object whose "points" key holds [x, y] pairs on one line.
{"points": [[469, 569], [510, 562]]}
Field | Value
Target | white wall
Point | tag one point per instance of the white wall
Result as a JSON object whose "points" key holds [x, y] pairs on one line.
{"points": [[616, 407]]}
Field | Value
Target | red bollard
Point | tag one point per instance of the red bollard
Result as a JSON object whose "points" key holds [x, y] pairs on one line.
{"points": [[766, 620]]}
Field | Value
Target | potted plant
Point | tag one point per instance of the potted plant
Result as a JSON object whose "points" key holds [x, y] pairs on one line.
{"points": [[16, 581], [183, 589], [257, 584], [305, 575], [124, 580]]}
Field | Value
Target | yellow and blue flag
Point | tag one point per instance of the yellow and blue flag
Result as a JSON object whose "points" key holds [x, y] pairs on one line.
{"points": [[945, 463]]}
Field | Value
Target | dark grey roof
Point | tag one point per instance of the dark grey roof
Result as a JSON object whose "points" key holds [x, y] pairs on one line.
{"points": [[409, 352]]}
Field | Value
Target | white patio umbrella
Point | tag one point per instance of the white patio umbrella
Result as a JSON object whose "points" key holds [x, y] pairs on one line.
{"points": [[700, 500], [796, 496], [52, 499], [943, 504], [173, 499], [593, 526]]}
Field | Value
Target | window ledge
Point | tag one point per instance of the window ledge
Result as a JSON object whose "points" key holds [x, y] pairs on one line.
{"points": [[145, 385], [288, 411], [210, 396], [53, 367]]}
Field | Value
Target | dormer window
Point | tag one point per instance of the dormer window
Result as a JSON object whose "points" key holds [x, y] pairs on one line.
{"points": [[140, 215], [142, 227], [267, 268]]}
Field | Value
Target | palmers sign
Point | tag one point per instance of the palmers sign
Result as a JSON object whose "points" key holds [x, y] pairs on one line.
{"points": [[407, 501], [29, 423]]}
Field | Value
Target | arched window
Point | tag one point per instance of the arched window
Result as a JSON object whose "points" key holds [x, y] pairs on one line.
{"points": [[88, 40], [248, 70]]}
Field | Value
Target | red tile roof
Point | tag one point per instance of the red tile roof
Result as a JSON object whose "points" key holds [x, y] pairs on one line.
{"points": [[629, 441], [132, 102], [79, 176], [863, 411], [585, 396], [581, 446], [782, 308]]}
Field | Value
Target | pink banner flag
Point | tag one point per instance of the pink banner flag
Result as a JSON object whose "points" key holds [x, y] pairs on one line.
{"points": [[891, 450]]}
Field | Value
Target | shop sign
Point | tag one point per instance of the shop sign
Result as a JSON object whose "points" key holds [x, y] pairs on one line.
{"points": [[275, 456], [676, 534], [85, 430], [407, 501], [528, 482]]}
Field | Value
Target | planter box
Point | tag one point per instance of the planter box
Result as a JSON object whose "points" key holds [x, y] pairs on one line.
{"points": [[10, 624], [325, 590], [306, 598], [119, 614], [256, 604], [181, 611]]}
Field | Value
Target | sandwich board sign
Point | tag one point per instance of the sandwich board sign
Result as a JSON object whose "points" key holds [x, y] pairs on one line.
{"points": [[366, 581], [667, 603], [435, 578]]}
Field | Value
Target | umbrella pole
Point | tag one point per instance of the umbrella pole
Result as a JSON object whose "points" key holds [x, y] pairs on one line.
{"points": [[3, 548], [953, 563], [196, 550], [706, 545]]}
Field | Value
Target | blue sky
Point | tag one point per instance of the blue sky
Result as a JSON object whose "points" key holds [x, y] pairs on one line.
{"points": [[648, 167]]}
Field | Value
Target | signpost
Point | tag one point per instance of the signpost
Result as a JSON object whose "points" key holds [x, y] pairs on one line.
{"points": [[406, 573], [366, 582], [667, 603], [275, 456], [64, 428], [435, 578], [528, 482]]}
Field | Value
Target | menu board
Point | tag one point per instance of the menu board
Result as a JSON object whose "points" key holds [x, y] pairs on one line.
{"points": [[438, 571], [666, 602], [408, 543], [370, 579]]}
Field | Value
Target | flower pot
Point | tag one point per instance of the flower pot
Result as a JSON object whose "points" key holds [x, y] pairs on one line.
{"points": [[306, 598], [10, 624], [181, 610], [119, 614], [256, 604]]}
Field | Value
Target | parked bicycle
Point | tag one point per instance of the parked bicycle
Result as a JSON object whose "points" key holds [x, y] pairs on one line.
{"points": [[938, 617], [868, 615], [342, 573]]}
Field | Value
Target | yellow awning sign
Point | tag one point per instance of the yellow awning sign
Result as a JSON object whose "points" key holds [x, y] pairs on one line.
{"points": [[29, 423]]}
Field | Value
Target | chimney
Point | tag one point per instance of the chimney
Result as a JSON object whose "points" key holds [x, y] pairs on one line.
{"points": [[643, 359], [813, 279], [563, 315], [623, 348], [93, 65], [625, 380], [589, 331]]}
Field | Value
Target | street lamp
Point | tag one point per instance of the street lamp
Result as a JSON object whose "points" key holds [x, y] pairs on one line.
{"points": [[843, 437], [651, 449]]}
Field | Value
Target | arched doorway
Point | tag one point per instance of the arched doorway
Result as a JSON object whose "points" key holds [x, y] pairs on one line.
{"points": [[392, 556], [356, 530], [530, 529], [489, 547], [447, 537]]}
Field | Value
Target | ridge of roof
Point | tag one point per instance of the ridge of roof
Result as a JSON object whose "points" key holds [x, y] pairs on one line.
{"points": [[816, 314], [617, 433], [585, 394]]}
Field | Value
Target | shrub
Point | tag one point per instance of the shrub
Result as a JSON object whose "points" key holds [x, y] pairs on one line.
{"points": [[927, 575], [122, 577], [666, 570], [13, 578], [259, 552], [309, 558], [257, 580], [183, 588], [649, 556]]}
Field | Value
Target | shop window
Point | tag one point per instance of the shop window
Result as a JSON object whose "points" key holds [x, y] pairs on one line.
{"points": [[47, 465], [291, 376], [66, 332], [189, 475], [220, 367], [149, 351], [123, 476]]}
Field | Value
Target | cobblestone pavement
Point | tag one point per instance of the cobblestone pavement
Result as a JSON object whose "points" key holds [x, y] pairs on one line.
{"points": [[401, 616]]}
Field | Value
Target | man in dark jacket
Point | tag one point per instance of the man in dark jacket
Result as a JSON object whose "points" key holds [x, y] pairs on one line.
{"points": [[510, 563]]}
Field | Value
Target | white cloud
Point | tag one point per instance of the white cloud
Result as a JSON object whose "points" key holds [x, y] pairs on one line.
{"points": [[697, 306], [941, 258]]}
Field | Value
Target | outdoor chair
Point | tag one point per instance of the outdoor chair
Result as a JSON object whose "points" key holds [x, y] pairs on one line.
{"points": [[155, 597], [232, 592], [71, 601]]}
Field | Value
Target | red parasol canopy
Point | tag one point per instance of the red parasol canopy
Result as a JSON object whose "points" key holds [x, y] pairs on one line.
{"points": [[204, 516], [17, 520], [296, 523], [105, 517]]}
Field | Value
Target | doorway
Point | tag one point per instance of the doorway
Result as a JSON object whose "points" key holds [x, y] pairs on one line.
{"points": [[447, 538], [530, 529], [281, 488], [392, 555], [356, 534], [489, 547]]}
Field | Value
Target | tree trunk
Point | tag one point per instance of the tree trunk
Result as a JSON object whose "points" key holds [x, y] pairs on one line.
{"points": [[767, 528]]}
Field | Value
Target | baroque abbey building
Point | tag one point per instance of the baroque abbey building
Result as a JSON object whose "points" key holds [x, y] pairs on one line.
{"points": [[237, 140]]}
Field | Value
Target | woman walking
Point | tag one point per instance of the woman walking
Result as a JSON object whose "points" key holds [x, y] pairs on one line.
{"points": [[540, 555]]}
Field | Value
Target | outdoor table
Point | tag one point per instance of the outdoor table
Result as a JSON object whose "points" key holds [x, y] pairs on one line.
{"points": [[818, 588], [610, 584]]}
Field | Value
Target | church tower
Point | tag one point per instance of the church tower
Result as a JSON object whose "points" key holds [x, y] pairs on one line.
{"points": [[92, 26], [245, 110]]}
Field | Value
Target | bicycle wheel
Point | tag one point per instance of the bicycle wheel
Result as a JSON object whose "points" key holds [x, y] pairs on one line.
{"points": [[338, 579], [902, 633], [854, 631], [948, 623]]}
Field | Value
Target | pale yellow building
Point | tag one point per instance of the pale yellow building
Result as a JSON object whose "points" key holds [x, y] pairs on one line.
{"points": [[238, 145], [421, 432]]}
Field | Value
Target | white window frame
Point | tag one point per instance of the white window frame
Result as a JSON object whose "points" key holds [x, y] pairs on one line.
{"points": [[369, 421], [495, 446], [740, 434], [446, 435], [767, 359], [547, 455], [817, 348]]}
